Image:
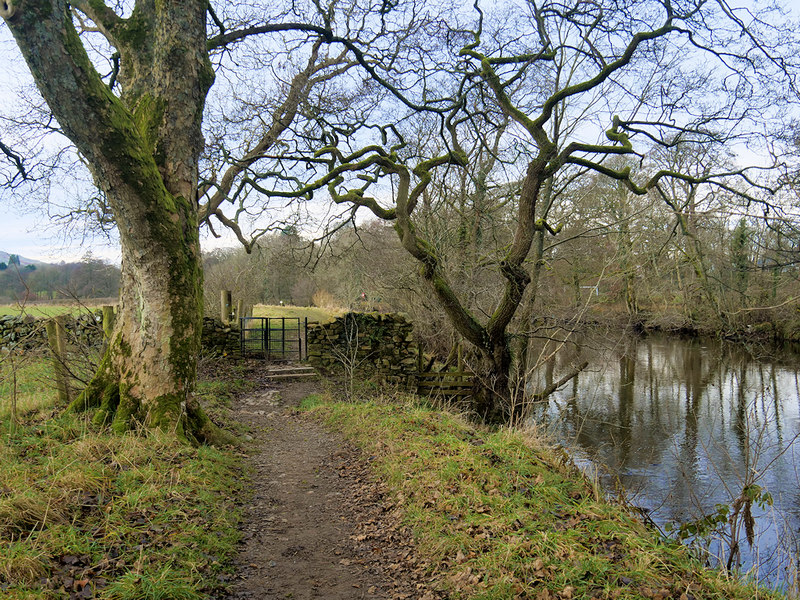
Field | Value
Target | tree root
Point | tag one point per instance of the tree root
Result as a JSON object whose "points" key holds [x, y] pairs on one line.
{"points": [[123, 412]]}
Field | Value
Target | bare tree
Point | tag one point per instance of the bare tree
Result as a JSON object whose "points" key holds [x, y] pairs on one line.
{"points": [[127, 85], [537, 89], [567, 86]]}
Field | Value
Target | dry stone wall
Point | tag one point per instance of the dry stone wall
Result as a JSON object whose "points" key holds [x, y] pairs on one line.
{"points": [[28, 333], [369, 344], [220, 339]]}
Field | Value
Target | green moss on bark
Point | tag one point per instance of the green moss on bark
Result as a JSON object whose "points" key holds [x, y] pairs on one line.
{"points": [[108, 405], [205, 431], [148, 115], [165, 412], [134, 31], [128, 412], [92, 395]]}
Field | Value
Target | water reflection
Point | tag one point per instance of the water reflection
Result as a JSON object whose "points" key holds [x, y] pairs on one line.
{"points": [[685, 424]]}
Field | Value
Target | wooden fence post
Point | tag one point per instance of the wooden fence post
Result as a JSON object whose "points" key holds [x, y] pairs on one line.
{"points": [[109, 318], [239, 311], [57, 341], [225, 301]]}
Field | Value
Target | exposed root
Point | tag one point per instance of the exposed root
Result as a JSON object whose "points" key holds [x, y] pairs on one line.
{"points": [[123, 412]]}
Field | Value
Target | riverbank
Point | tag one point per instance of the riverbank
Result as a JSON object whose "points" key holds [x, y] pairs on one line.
{"points": [[439, 508], [500, 514], [750, 326]]}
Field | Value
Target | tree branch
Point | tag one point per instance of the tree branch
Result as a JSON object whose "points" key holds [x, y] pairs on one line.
{"points": [[16, 159]]}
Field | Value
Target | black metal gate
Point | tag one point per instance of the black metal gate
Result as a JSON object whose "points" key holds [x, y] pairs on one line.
{"points": [[273, 338]]}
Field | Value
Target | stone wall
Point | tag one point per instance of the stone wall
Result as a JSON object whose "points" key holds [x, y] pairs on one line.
{"points": [[29, 332], [220, 339], [368, 343]]}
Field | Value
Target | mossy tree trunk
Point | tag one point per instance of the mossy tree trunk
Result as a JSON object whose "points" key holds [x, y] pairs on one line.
{"points": [[142, 146], [492, 396]]}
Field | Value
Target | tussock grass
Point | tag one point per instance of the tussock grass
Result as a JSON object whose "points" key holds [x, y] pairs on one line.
{"points": [[23, 512], [131, 516], [502, 515], [19, 563]]}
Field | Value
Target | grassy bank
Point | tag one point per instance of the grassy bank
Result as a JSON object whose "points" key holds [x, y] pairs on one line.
{"points": [[503, 516], [498, 514], [87, 514]]}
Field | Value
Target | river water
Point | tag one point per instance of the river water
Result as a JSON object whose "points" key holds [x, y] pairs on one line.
{"points": [[683, 425]]}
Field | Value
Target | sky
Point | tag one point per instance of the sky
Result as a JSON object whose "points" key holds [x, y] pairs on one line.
{"points": [[24, 230], [30, 233]]}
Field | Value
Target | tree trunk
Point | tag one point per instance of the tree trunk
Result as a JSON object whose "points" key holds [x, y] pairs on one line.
{"points": [[491, 396], [147, 374], [524, 336], [142, 148]]}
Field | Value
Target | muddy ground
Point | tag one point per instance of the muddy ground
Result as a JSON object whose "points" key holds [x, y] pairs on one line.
{"points": [[318, 525]]}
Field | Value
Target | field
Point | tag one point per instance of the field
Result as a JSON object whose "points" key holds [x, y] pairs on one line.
{"points": [[259, 310], [313, 313], [53, 309]]}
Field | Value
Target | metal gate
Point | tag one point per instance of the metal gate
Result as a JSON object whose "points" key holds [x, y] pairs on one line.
{"points": [[273, 338]]}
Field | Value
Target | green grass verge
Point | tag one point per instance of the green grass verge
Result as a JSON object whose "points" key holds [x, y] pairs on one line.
{"points": [[129, 517], [34, 387], [503, 516]]}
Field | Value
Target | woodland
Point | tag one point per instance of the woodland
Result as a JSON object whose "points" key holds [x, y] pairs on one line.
{"points": [[519, 161], [89, 278]]}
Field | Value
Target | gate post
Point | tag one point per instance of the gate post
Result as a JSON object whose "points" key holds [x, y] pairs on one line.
{"points": [[225, 301], [283, 337], [239, 310], [304, 346], [57, 340]]}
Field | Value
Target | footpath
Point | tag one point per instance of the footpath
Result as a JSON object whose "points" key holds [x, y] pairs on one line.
{"points": [[317, 525]]}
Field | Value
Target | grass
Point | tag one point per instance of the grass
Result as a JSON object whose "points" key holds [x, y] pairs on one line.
{"points": [[131, 517], [498, 514], [313, 313], [503, 516], [34, 389], [48, 310]]}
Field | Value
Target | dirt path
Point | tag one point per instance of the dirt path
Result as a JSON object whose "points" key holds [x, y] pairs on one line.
{"points": [[318, 526]]}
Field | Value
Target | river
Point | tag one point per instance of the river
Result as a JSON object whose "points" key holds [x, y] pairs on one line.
{"points": [[683, 425]]}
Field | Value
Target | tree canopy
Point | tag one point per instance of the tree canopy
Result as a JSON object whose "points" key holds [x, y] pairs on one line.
{"points": [[193, 113]]}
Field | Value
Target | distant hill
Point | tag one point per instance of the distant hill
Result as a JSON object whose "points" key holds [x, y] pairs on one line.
{"points": [[4, 256]]}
